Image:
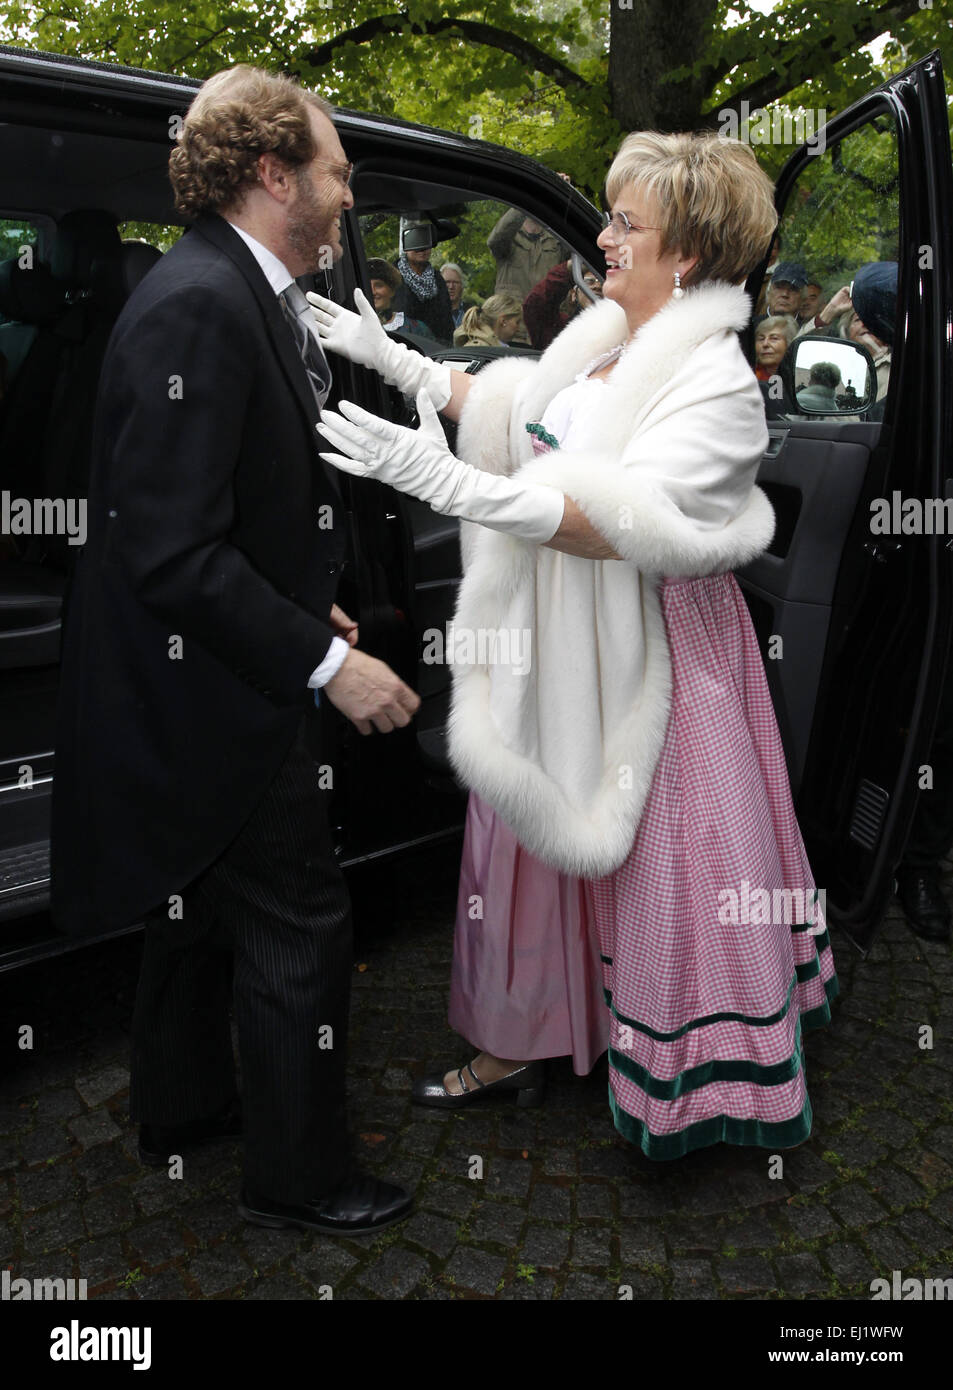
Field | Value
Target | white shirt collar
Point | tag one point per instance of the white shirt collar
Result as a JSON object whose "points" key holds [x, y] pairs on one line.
{"points": [[276, 272]]}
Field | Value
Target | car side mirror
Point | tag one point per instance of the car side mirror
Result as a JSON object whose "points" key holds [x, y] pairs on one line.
{"points": [[833, 376]]}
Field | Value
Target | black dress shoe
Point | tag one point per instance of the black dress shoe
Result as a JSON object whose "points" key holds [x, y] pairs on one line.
{"points": [[158, 1142], [528, 1082], [924, 905], [360, 1206]]}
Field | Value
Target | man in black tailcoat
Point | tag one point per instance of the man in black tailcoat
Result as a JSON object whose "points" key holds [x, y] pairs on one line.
{"points": [[202, 620]]}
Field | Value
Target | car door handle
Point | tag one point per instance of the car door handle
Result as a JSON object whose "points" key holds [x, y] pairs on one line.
{"points": [[775, 443]]}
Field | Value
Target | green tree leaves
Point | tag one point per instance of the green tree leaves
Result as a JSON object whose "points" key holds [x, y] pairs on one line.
{"points": [[537, 72]]}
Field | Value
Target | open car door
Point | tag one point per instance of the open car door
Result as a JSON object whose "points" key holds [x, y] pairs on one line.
{"points": [[853, 602]]}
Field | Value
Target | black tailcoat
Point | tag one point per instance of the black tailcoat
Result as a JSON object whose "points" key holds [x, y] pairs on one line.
{"points": [[201, 599]]}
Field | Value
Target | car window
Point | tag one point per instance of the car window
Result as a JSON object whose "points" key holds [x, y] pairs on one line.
{"points": [[508, 277], [23, 240], [20, 235], [161, 235], [834, 271]]}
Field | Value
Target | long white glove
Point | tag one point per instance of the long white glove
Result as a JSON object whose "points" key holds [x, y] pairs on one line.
{"points": [[419, 462], [361, 338]]}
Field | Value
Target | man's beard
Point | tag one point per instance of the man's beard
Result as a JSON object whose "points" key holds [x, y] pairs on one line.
{"points": [[311, 226]]}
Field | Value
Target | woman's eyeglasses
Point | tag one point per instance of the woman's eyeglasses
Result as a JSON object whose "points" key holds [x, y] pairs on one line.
{"points": [[619, 227]]}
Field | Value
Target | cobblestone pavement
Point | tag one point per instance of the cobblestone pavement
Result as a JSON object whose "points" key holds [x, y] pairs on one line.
{"points": [[564, 1209]]}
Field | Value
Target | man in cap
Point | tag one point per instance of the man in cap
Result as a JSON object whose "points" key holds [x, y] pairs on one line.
{"points": [[784, 291]]}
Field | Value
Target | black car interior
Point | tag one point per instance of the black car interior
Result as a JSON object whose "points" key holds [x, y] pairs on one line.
{"points": [[72, 189], [57, 318]]}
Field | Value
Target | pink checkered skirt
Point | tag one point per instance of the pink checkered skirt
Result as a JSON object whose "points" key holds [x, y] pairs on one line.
{"points": [[713, 955]]}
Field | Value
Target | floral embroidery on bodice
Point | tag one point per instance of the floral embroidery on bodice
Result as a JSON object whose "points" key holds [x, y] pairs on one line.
{"points": [[566, 414], [543, 441]]}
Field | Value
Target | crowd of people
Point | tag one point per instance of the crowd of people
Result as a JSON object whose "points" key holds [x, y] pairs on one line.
{"points": [[793, 306], [534, 296]]}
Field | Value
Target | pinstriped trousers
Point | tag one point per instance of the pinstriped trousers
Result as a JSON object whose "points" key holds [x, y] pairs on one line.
{"points": [[274, 907]]}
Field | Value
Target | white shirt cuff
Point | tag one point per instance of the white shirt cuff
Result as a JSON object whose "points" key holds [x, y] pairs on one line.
{"points": [[331, 664]]}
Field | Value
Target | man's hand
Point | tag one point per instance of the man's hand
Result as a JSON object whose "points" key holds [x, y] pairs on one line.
{"points": [[368, 693], [343, 625]]}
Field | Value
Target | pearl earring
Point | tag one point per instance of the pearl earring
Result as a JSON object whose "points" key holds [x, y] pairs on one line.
{"points": [[678, 292]]}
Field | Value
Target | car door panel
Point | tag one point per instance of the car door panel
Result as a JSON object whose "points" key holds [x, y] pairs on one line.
{"points": [[813, 481], [886, 602]]}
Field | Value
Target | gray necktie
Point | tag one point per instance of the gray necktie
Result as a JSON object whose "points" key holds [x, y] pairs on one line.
{"points": [[297, 311]]}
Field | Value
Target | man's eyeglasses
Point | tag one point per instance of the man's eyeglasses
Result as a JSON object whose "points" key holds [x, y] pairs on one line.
{"points": [[343, 171], [619, 227]]}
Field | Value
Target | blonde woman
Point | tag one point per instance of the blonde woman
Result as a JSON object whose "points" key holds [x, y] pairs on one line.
{"points": [[628, 786], [493, 325]]}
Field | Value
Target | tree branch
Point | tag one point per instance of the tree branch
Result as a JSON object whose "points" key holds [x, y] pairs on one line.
{"points": [[200, 44], [772, 86], [472, 30]]}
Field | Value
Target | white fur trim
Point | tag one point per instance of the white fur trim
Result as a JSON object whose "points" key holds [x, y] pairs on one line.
{"points": [[643, 525], [676, 441], [588, 840], [483, 430]]}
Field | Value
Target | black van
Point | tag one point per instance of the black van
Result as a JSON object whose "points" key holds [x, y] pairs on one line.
{"points": [[855, 625]]}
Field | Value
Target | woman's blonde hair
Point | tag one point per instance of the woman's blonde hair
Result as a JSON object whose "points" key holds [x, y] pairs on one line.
{"points": [[499, 305], [236, 116], [479, 323], [714, 200]]}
